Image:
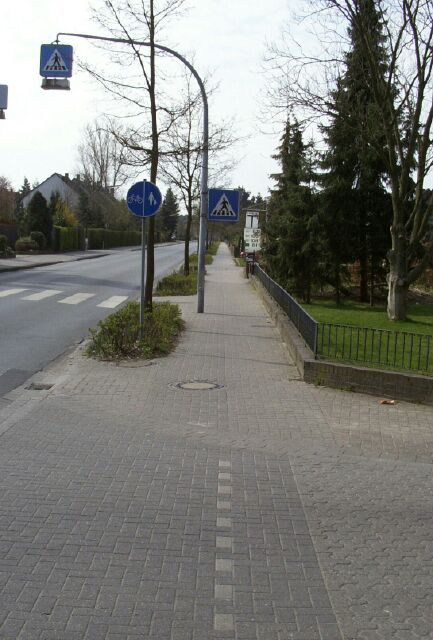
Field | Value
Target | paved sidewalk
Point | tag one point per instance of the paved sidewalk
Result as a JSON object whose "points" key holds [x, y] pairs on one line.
{"points": [[31, 260], [264, 509]]}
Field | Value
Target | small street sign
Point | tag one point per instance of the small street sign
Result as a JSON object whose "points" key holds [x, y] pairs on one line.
{"points": [[3, 96], [224, 205], [252, 220], [252, 240], [56, 61], [143, 199]]}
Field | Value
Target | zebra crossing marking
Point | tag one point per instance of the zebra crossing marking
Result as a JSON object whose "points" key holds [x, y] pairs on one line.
{"points": [[112, 302], [76, 298], [10, 292], [42, 295]]}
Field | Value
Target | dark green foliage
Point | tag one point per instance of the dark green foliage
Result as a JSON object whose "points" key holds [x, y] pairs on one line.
{"points": [[39, 238], [118, 336], [38, 215], [67, 238], [167, 217], [107, 238], [26, 245], [354, 198], [292, 250], [3, 243]]}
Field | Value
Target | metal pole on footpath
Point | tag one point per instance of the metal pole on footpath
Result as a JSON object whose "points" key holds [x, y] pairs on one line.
{"points": [[143, 271]]}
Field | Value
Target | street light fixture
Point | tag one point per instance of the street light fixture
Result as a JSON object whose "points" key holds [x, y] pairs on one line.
{"points": [[204, 200]]}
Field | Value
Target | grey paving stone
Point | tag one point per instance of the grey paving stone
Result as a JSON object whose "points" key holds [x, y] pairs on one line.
{"points": [[111, 494]]}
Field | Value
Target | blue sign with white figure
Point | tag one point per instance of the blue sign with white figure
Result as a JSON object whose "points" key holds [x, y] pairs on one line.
{"points": [[143, 199], [56, 61], [224, 205]]}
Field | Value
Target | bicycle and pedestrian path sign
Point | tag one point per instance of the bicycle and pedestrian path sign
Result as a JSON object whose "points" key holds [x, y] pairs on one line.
{"points": [[143, 199], [224, 205], [56, 61]]}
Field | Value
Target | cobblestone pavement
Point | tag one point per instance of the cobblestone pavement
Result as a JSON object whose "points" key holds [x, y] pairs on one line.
{"points": [[264, 509]]}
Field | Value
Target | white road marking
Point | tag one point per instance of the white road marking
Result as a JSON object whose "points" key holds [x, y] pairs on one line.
{"points": [[47, 293], [10, 292], [76, 298], [112, 302]]}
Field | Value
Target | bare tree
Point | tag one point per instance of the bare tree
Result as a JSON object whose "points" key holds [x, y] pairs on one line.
{"points": [[101, 156], [181, 164], [403, 94], [135, 87]]}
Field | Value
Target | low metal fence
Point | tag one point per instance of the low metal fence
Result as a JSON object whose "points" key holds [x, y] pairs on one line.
{"points": [[376, 347], [305, 324]]}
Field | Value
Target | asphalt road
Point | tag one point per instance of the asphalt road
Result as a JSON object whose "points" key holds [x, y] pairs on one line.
{"points": [[46, 310]]}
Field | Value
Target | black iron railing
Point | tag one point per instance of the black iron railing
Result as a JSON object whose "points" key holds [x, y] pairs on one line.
{"points": [[305, 324], [376, 347]]}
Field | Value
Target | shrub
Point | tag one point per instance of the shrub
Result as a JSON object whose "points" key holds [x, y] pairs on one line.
{"points": [[26, 244], [3, 243], [39, 238], [177, 284], [118, 336]]}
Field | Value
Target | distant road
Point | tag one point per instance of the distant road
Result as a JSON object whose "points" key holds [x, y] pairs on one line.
{"points": [[46, 310]]}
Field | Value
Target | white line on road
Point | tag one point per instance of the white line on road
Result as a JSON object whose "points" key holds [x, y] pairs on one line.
{"points": [[76, 298], [47, 293], [112, 302], [10, 292]]}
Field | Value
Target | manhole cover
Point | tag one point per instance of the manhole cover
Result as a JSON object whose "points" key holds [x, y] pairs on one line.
{"points": [[198, 385]]}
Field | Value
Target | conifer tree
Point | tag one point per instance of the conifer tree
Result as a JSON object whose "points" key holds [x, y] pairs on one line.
{"points": [[39, 217], [168, 216], [292, 244], [354, 198]]}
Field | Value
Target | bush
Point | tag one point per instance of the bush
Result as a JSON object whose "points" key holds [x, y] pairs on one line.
{"points": [[39, 238], [118, 336], [26, 244], [177, 284], [3, 243]]}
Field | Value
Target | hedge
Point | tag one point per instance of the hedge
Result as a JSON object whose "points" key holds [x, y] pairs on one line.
{"points": [[107, 239], [67, 239], [72, 238]]}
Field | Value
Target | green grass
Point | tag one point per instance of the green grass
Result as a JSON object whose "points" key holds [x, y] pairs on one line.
{"points": [[406, 346], [420, 316]]}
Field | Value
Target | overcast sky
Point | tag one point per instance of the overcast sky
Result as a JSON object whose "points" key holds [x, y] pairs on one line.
{"points": [[43, 128]]}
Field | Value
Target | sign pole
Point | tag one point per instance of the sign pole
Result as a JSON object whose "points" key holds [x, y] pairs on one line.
{"points": [[143, 265]]}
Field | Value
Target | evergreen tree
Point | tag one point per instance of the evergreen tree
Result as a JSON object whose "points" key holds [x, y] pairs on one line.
{"points": [[39, 217], [292, 241], [354, 198], [20, 213], [167, 217]]}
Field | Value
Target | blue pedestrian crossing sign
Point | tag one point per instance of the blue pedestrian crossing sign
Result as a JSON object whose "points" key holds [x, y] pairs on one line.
{"points": [[224, 205], [143, 199], [56, 61]]}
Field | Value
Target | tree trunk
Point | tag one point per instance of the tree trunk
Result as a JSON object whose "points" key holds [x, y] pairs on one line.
{"points": [[397, 297], [397, 276]]}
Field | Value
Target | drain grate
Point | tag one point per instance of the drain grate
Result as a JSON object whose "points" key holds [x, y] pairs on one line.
{"points": [[197, 385]]}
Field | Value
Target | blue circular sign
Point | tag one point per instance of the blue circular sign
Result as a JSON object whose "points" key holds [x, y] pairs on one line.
{"points": [[143, 199]]}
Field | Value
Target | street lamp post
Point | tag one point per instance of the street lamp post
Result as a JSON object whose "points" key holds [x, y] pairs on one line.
{"points": [[204, 199]]}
